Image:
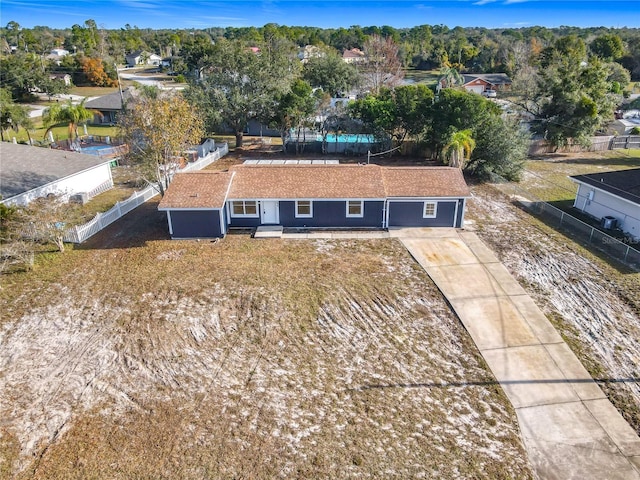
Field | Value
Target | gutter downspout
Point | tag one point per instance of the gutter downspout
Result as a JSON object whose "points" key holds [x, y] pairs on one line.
{"points": [[464, 205], [170, 224]]}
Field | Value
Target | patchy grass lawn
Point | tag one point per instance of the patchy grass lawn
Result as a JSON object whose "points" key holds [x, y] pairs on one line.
{"points": [[125, 183], [547, 177], [134, 356]]}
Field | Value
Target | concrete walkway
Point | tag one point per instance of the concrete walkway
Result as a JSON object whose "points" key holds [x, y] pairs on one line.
{"points": [[277, 231], [569, 428]]}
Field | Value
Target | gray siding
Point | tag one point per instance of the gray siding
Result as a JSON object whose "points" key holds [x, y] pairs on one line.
{"points": [[409, 214], [332, 214], [244, 221], [196, 224]]}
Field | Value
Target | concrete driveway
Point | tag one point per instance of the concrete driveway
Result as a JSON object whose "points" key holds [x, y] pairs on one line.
{"points": [[569, 428]]}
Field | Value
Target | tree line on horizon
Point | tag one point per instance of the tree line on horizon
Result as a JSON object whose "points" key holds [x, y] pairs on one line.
{"points": [[423, 47], [568, 80]]}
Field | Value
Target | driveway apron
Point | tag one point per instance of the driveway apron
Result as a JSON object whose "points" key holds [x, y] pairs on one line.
{"points": [[569, 428]]}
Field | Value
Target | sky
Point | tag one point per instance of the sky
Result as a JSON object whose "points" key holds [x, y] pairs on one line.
{"points": [[187, 14]]}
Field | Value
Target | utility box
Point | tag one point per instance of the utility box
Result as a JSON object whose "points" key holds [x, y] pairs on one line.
{"points": [[80, 198]]}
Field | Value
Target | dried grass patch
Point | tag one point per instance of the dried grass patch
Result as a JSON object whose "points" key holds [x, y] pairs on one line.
{"points": [[247, 359]]}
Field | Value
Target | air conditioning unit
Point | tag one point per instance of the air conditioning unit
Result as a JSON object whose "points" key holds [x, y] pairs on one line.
{"points": [[609, 222], [81, 198]]}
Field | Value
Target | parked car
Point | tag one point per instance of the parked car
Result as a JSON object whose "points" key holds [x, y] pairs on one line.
{"points": [[490, 93]]}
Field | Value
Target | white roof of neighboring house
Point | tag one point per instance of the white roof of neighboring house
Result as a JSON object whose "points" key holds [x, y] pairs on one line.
{"points": [[26, 168], [621, 183]]}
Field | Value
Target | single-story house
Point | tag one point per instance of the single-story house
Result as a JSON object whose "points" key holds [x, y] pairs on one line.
{"points": [[56, 55], [109, 105], [206, 204], [30, 172], [140, 57], [609, 196], [481, 82], [308, 52], [625, 122], [355, 55], [59, 52]]}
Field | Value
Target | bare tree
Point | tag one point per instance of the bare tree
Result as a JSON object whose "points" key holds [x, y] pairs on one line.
{"points": [[383, 67], [159, 127], [45, 220]]}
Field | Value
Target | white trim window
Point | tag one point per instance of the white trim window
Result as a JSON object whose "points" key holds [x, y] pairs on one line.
{"points": [[244, 208], [304, 209], [430, 210], [355, 208]]}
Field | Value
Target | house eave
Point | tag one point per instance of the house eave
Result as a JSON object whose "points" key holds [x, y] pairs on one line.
{"points": [[595, 187]]}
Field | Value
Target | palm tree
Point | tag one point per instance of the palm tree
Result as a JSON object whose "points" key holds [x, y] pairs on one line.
{"points": [[459, 148], [451, 77], [71, 114]]}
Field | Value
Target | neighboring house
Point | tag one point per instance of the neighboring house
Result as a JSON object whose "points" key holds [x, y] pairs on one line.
{"points": [[480, 83], [109, 105], [31, 172], [206, 204], [59, 52], [310, 51], [626, 122], [141, 57], [56, 55], [355, 55], [611, 195]]}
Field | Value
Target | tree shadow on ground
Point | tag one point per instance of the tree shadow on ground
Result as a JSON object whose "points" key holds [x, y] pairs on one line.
{"points": [[135, 229]]}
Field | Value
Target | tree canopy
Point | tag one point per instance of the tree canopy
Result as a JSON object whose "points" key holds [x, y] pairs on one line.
{"points": [[242, 83], [158, 127]]}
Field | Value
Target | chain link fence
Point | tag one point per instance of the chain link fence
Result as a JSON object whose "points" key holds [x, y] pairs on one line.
{"points": [[623, 250]]}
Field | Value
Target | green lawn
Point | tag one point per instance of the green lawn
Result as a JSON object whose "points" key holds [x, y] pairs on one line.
{"points": [[548, 178], [93, 91], [60, 133]]}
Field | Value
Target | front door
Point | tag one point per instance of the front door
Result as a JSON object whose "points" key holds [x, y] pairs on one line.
{"points": [[269, 212]]}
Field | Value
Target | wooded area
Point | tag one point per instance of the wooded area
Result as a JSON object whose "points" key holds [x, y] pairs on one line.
{"points": [[566, 81]]}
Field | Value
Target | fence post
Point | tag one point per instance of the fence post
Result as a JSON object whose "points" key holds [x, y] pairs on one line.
{"points": [[626, 254], [562, 218], [591, 234]]}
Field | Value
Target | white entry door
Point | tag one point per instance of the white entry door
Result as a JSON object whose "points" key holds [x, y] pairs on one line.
{"points": [[269, 212]]}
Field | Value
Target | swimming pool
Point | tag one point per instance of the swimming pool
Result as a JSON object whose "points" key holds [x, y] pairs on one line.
{"points": [[348, 138], [96, 149]]}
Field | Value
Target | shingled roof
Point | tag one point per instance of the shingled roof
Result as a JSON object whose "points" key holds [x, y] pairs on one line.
{"points": [[212, 189], [424, 182], [307, 181], [111, 101], [622, 183], [202, 189], [25, 168], [492, 78]]}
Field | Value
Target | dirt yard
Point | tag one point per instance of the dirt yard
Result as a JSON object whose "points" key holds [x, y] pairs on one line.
{"points": [[594, 303], [139, 357]]}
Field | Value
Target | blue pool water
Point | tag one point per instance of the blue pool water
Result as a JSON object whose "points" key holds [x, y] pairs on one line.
{"points": [[95, 149], [349, 138]]}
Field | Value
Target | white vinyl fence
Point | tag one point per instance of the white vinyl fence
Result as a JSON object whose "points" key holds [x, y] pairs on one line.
{"points": [[80, 233]]}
